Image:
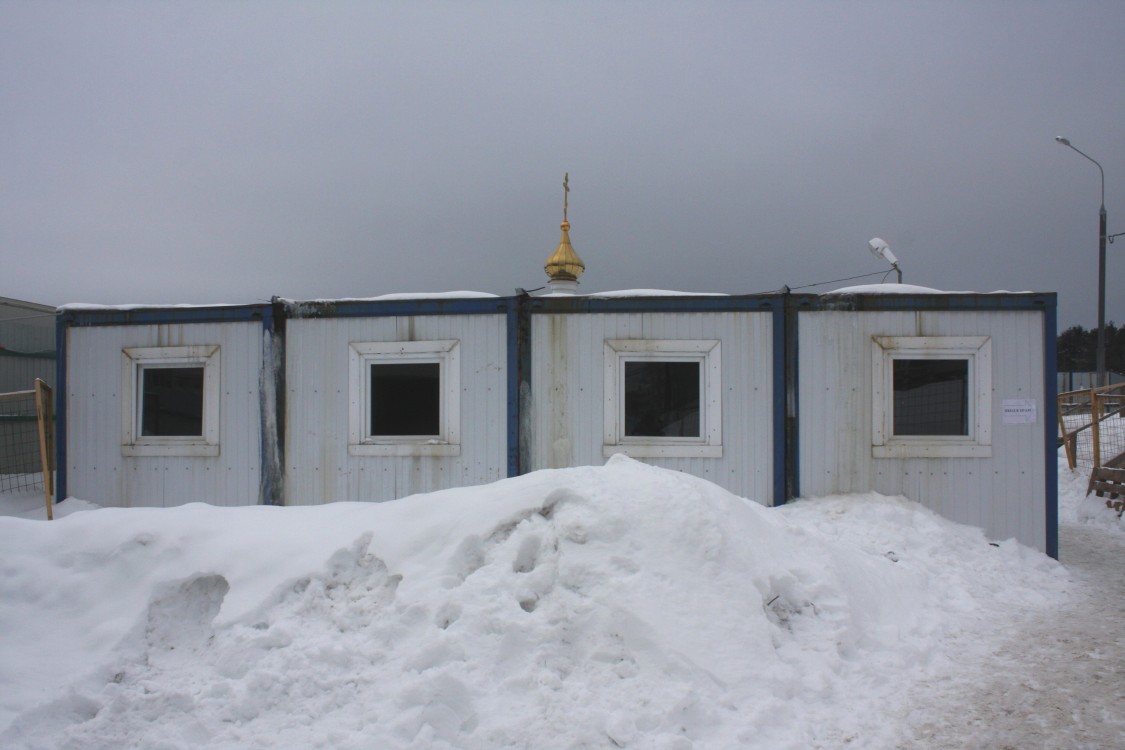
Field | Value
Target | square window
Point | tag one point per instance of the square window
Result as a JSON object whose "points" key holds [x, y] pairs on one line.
{"points": [[663, 398], [170, 401], [404, 399], [932, 396]]}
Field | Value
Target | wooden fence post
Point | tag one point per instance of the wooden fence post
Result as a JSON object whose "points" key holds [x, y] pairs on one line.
{"points": [[44, 407], [1095, 425]]}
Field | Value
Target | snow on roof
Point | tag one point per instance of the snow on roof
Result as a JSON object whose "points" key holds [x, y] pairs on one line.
{"points": [[887, 289], [91, 307], [905, 289], [88, 307], [642, 293], [407, 296]]}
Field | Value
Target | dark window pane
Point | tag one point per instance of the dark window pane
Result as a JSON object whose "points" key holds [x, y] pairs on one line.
{"points": [[172, 401], [662, 399], [931, 396], [406, 399]]}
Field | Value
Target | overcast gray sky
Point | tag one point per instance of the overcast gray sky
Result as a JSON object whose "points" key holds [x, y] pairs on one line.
{"points": [[225, 152]]}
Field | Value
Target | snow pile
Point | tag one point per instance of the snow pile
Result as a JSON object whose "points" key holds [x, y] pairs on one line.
{"points": [[622, 606], [31, 505], [1075, 506]]}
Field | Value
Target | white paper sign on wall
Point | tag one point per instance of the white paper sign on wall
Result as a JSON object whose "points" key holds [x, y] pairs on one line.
{"points": [[1019, 411]]}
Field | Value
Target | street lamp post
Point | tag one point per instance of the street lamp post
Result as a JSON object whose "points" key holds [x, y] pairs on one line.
{"points": [[1101, 266]]}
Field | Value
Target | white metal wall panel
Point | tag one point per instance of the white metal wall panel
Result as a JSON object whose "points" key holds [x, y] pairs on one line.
{"points": [[318, 468], [1004, 494], [567, 385], [96, 470]]}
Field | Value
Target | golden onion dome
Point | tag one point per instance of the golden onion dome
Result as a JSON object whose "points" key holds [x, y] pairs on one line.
{"points": [[564, 264]]}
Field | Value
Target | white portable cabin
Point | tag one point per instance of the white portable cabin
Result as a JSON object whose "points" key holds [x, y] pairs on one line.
{"points": [[982, 453], [103, 454], [771, 396], [333, 350], [580, 352]]}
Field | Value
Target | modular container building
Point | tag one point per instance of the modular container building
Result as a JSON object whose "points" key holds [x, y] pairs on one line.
{"points": [[586, 353], [945, 398], [456, 350], [161, 407], [972, 437]]}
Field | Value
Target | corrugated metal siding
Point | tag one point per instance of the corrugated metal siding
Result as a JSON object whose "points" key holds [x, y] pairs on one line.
{"points": [[318, 468], [96, 469], [1004, 494], [25, 329], [567, 391]]}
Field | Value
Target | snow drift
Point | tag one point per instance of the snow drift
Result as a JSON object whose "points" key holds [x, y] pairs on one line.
{"points": [[623, 606]]}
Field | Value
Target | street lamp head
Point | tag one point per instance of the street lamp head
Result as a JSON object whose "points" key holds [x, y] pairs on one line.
{"points": [[880, 250], [1062, 140]]}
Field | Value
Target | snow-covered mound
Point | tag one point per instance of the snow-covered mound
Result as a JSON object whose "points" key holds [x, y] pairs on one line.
{"points": [[888, 289], [904, 289], [622, 606]]}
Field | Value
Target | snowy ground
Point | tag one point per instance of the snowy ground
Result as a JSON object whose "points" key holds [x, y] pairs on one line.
{"points": [[1053, 678], [619, 606]]}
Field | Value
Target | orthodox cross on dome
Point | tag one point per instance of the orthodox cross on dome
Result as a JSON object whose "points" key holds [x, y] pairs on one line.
{"points": [[566, 193]]}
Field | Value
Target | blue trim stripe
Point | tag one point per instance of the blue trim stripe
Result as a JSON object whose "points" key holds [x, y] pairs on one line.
{"points": [[929, 302], [499, 305], [271, 441], [60, 409], [157, 316], [1050, 427], [780, 388], [293, 309], [654, 304], [384, 308], [513, 364]]}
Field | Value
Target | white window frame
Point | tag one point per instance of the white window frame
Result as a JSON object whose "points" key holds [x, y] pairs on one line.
{"points": [[977, 351], [364, 354], [706, 352], [134, 361]]}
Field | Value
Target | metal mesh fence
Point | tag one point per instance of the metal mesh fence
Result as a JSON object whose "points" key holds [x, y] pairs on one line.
{"points": [[21, 466], [1092, 426]]}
